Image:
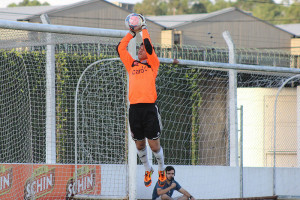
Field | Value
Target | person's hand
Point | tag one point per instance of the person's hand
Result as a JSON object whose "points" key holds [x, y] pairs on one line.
{"points": [[173, 185], [144, 25], [175, 61]]}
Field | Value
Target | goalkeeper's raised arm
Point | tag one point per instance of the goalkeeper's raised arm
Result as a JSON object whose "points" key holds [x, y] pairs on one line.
{"points": [[144, 117]]}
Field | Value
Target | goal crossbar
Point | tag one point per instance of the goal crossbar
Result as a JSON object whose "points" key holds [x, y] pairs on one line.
{"points": [[75, 30], [218, 65]]}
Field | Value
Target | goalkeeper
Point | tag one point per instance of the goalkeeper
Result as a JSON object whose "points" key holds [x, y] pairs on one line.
{"points": [[144, 117]]}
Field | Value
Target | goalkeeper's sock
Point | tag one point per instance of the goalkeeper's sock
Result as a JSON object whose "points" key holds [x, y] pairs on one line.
{"points": [[160, 159], [144, 159]]}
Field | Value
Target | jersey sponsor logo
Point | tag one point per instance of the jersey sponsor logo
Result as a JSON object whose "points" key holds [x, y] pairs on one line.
{"points": [[139, 71]]}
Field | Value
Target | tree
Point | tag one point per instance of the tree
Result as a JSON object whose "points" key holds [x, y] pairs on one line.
{"points": [[198, 8], [293, 13], [151, 7], [266, 10], [208, 5], [220, 4], [163, 7], [28, 3], [178, 7]]}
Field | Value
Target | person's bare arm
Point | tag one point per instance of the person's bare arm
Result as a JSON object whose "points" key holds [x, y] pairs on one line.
{"points": [[186, 193], [164, 191]]}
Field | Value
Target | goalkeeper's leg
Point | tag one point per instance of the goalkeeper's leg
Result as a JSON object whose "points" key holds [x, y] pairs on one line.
{"points": [[159, 155], [144, 159]]}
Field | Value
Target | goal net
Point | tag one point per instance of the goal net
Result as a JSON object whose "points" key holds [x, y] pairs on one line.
{"points": [[90, 149], [25, 170], [101, 124]]}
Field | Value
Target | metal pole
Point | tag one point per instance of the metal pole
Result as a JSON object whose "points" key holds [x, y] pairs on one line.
{"points": [[49, 28], [132, 154], [50, 98], [241, 153], [298, 125], [232, 102], [226, 66]]}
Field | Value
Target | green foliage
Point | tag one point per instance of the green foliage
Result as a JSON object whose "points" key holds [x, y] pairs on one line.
{"points": [[198, 8], [69, 67], [27, 84], [28, 3], [152, 7], [14, 103], [267, 10], [219, 5], [160, 7], [293, 13], [174, 93]]}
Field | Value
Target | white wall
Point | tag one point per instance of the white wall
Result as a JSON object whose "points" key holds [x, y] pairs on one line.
{"points": [[213, 182], [258, 126]]}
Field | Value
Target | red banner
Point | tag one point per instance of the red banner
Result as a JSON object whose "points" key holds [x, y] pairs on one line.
{"points": [[38, 181]]}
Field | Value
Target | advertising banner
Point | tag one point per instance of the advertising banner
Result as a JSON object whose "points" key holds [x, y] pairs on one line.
{"points": [[41, 181]]}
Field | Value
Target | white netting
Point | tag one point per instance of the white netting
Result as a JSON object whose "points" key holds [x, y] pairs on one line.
{"points": [[23, 120], [15, 122], [101, 118]]}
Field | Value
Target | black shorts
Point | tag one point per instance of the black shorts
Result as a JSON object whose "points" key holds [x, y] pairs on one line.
{"points": [[145, 121]]}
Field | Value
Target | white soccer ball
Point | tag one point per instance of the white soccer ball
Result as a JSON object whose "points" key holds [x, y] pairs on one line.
{"points": [[133, 22]]}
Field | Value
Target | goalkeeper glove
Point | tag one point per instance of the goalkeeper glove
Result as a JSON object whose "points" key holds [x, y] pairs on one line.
{"points": [[144, 25]]}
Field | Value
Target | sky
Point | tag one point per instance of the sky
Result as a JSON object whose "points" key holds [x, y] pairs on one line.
{"points": [[5, 3]]}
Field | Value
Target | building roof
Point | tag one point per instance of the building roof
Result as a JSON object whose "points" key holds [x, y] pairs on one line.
{"points": [[172, 21], [292, 28], [20, 13], [66, 7], [27, 13]]}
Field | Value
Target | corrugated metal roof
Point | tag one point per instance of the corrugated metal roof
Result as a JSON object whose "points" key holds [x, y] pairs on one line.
{"points": [[27, 13], [174, 20], [20, 13], [69, 6], [292, 28], [171, 21], [78, 4]]}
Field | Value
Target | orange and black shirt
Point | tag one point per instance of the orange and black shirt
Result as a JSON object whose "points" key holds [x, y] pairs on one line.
{"points": [[141, 75]]}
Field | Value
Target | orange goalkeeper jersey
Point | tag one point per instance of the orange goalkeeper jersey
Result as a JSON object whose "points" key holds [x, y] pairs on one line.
{"points": [[141, 75]]}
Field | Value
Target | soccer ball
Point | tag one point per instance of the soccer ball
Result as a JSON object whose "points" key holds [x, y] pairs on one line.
{"points": [[133, 22]]}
